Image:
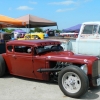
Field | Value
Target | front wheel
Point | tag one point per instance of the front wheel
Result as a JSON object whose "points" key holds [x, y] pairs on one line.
{"points": [[73, 81]]}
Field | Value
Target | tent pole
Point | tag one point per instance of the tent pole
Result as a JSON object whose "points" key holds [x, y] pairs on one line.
{"points": [[57, 27], [28, 28]]}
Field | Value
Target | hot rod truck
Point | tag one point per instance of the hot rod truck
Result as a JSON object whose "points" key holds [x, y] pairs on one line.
{"points": [[46, 60]]}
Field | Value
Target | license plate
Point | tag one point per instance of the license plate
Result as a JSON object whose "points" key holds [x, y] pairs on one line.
{"points": [[98, 81]]}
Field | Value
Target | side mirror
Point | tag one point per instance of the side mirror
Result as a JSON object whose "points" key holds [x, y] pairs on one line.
{"points": [[29, 50]]}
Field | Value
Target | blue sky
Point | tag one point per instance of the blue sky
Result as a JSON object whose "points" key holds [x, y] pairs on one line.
{"points": [[66, 13]]}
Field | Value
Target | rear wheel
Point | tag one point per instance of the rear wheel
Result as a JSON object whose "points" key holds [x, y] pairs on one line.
{"points": [[73, 81], [2, 66]]}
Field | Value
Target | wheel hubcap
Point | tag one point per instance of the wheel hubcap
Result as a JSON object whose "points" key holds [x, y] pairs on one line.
{"points": [[71, 82]]}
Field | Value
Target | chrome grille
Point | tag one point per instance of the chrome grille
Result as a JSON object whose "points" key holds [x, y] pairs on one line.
{"points": [[99, 67], [95, 68]]}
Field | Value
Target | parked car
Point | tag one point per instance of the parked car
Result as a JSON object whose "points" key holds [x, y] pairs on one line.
{"points": [[31, 36], [46, 60]]}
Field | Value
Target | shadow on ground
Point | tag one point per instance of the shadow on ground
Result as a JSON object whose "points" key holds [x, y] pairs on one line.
{"points": [[30, 79], [93, 93]]}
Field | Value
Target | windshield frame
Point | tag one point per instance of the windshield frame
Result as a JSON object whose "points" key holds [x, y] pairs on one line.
{"points": [[94, 30], [49, 48]]}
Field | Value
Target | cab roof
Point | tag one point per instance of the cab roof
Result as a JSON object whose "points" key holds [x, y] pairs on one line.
{"points": [[92, 22], [33, 42]]}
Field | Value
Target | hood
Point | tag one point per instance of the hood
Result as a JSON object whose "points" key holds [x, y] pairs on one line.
{"points": [[68, 56]]}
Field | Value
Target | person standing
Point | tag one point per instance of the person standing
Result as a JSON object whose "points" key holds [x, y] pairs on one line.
{"points": [[46, 34]]}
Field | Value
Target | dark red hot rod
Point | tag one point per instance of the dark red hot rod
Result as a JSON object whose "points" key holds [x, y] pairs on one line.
{"points": [[46, 60]]}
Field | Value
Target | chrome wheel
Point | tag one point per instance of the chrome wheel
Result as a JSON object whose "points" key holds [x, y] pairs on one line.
{"points": [[71, 82]]}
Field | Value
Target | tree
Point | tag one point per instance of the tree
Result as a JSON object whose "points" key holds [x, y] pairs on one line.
{"points": [[58, 31], [38, 29], [7, 30], [31, 31]]}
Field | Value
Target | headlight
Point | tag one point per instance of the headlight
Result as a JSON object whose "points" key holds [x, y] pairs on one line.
{"points": [[84, 68]]}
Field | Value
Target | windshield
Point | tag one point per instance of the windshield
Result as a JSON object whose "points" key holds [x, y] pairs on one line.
{"points": [[49, 48], [90, 29]]}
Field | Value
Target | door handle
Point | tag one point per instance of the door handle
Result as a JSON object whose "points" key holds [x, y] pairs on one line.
{"points": [[13, 56]]}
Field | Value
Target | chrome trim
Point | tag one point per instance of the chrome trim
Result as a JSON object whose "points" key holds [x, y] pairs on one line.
{"points": [[95, 72]]}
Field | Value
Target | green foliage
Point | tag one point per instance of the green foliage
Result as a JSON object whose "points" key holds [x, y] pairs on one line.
{"points": [[58, 31], [38, 29], [31, 31], [7, 30]]}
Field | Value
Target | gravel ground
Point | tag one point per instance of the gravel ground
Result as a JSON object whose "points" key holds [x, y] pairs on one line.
{"points": [[18, 88]]}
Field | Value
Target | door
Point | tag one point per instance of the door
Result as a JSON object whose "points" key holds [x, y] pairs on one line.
{"points": [[22, 61], [39, 63]]}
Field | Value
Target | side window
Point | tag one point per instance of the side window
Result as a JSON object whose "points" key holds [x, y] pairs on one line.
{"points": [[90, 29], [99, 30], [10, 48], [95, 28], [22, 49]]}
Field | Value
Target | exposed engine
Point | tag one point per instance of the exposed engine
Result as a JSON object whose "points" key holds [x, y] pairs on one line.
{"points": [[57, 65]]}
